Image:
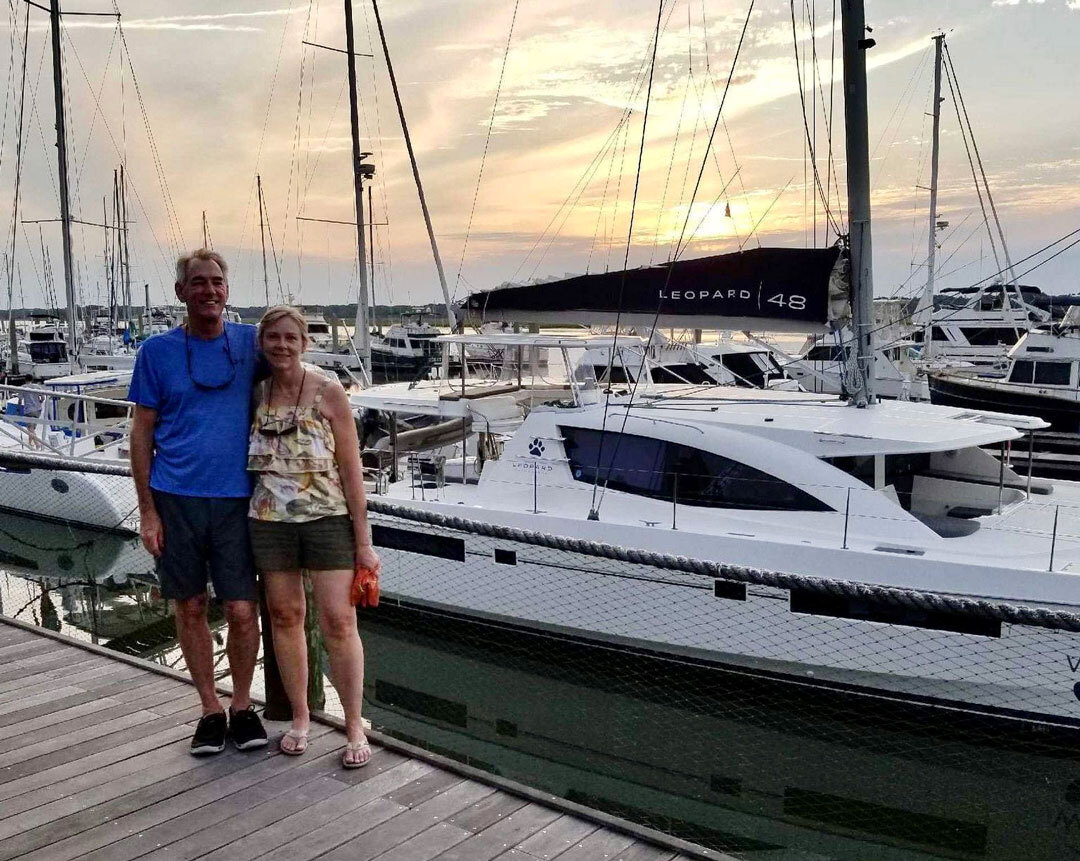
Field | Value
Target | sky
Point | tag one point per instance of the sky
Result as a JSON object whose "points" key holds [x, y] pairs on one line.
{"points": [[527, 120]]}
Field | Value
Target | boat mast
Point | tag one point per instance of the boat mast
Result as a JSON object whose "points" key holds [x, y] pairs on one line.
{"points": [[262, 236], [362, 328], [65, 211], [416, 172], [858, 181], [931, 251]]}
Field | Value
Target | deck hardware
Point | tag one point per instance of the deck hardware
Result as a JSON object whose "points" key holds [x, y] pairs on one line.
{"points": [[1031, 460], [1001, 477], [674, 500], [1053, 539], [847, 514]]}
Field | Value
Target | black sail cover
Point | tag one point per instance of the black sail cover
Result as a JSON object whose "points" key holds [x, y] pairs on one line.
{"points": [[778, 289]]}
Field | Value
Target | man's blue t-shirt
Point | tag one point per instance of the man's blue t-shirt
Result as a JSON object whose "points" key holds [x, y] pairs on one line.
{"points": [[201, 437]]}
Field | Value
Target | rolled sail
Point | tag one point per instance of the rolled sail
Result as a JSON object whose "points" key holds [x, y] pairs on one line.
{"points": [[775, 289]]}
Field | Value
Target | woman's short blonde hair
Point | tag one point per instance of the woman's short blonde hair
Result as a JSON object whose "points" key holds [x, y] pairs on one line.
{"points": [[284, 312]]}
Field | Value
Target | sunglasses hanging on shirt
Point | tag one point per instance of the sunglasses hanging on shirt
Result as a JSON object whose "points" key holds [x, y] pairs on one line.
{"points": [[204, 381], [282, 427]]}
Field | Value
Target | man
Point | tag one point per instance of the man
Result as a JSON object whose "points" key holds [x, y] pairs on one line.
{"points": [[192, 390]]}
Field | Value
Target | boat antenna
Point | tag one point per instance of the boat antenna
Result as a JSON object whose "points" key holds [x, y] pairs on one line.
{"points": [[856, 44], [452, 320]]}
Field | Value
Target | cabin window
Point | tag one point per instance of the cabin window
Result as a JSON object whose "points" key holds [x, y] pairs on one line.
{"points": [[979, 337], [746, 370], [1041, 373], [660, 469], [900, 471], [1023, 371], [680, 373], [938, 334], [1053, 373], [825, 354]]}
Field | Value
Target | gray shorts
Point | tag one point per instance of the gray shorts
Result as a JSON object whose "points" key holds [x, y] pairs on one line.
{"points": [[206, 538], [325, 544]]}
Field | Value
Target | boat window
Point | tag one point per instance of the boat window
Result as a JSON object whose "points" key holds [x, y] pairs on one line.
{"points": [[825, 354], [1053, 373], [938, 334], [900, 471], [992, 337], [747, 372], [660, 469], [318, 329], [681, 373], [48, 352], [1023, 371]]}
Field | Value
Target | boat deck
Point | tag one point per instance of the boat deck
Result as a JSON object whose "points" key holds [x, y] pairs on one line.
{"points": [[94, 764]]}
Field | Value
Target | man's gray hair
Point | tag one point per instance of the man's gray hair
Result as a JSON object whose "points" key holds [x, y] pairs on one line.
{"points": [[200, 254]]}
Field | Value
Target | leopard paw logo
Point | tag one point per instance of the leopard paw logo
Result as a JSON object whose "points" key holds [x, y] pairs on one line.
{"points": [[536, 447]]}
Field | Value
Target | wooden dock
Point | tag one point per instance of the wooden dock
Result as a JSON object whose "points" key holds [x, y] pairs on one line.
{"points": [[94, 764]]}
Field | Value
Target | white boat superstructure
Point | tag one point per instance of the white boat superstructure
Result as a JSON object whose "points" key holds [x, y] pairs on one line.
{"points": [[46, 431], [823, 361], [899, 495]]}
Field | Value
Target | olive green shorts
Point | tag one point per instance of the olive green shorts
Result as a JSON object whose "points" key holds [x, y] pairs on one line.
{"points": [[326, 544]]}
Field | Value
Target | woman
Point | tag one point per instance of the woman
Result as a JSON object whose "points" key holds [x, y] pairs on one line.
{"points": [[308, 511]]}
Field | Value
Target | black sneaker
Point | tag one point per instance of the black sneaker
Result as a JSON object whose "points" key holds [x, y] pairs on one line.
{"points": [[209, 735], [246, 729]]}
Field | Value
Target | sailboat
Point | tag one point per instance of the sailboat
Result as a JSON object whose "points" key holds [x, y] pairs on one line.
{"points": [[860, 500]]}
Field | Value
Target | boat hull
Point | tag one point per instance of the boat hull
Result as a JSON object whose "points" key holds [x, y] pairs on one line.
{"points": [[105, 502], [1063, 415], [1013, 671]]}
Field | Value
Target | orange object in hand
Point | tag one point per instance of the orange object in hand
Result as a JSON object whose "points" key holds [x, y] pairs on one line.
{"points": [[365, 587]]}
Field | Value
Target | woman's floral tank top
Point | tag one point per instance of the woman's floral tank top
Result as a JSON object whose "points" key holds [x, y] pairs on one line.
{"points": [[297, 477]]}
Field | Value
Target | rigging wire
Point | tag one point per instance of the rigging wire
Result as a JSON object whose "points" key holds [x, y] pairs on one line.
{"points": [[971, 164], [959, 97], [159, 167], [675, 142], [806, 125], [18, 157], [487, 143], [594, 513]]}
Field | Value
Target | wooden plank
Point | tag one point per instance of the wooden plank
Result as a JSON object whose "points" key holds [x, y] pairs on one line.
{"points": [[646, 852], [487, 812], [424, 788], [557, 837], [184, 784], [12, 633], [410, 822], [354, 825], [101, 745], [22, 648], [14, 735], [14, 671], [43, 786], [601, 845], [59, 673], [74, 738], [353, 803], [77, 676], [427, 844], [503, 835], [24, 703], [231, 818]]}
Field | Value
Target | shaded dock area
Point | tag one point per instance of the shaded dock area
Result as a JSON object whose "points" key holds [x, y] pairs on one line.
{"points": [[94, 763]]}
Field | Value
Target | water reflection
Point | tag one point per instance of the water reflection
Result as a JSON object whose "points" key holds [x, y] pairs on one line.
{"points": [[740, 764], [87, 584], [746, 765]]}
